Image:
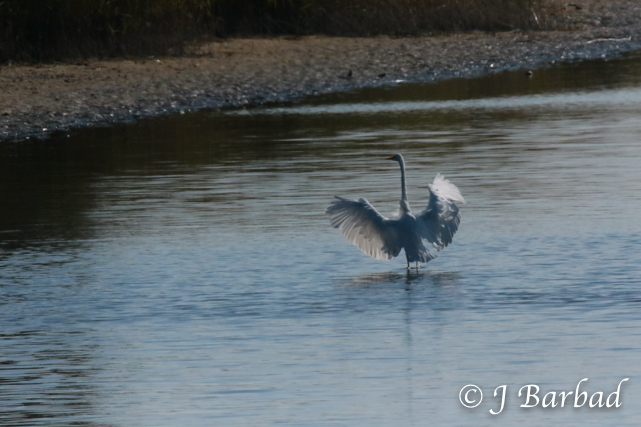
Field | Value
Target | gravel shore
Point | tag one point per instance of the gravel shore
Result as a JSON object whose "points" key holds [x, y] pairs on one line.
{"points": [[38, 100]]}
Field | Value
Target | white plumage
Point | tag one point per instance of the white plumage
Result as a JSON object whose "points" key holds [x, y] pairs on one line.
{"points": [[383, 238]]}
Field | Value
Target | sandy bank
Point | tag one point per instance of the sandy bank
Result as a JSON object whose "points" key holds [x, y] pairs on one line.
{"points": [[36, 100]]}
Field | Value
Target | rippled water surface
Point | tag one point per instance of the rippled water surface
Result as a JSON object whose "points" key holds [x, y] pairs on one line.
{"points": [[181, 271]]}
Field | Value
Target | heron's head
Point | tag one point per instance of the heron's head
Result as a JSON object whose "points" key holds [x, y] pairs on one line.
{"points": [[396, 157]]}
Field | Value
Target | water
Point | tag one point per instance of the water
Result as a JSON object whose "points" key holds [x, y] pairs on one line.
{"points": [[181, 271]]}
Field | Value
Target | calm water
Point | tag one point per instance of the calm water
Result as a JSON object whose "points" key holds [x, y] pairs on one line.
{"points": [[181, 271]]}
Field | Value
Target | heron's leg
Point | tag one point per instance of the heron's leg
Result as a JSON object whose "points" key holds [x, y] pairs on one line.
{"points": [[408, 261], [417, 265]]}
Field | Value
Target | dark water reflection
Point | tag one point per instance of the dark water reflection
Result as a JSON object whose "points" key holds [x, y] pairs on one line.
{"points": [[181, 271]]}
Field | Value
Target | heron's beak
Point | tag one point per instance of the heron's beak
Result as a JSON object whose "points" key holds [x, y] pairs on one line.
{"points": [[389, 158]]}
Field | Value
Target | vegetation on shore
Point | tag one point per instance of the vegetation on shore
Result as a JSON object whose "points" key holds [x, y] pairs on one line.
{"points": [[41, 30]]}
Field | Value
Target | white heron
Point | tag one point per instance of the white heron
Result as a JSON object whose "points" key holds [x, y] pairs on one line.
{"points": [[383, 238]]}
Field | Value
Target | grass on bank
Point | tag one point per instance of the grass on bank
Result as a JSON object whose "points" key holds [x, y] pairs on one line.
{"points": [[41, 30]]}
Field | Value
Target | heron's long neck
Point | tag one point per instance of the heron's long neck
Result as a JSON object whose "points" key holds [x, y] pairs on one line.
{"points": [[404, 191]]}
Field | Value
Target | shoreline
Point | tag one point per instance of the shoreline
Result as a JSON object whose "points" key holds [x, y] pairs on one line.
{"points": [[38, 100]]}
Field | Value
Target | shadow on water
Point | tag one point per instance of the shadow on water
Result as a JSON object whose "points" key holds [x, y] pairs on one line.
{"points": [[47, 187], [589, 75]]}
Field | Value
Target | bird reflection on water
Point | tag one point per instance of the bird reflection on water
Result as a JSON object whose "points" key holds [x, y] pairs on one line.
{"points": [[411, 277]]}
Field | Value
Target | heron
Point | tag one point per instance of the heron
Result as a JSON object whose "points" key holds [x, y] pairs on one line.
{"points": [[383, 238]]}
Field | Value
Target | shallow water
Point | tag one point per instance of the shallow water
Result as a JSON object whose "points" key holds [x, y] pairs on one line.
{"points": [[181, 271]]}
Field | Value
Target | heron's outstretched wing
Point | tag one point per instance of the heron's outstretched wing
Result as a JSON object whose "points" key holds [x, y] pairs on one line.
{"points": [[440, 220], [365, 228]]}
